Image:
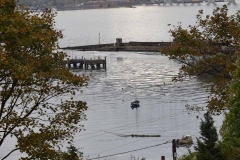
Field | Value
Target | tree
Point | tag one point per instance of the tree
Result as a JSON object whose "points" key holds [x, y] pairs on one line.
{"points": [[72, 153], [206, 145], [48, 3], [230, 130], [31, 76], [207, 48]]}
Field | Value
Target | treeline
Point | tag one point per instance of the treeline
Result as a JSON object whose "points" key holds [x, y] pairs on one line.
{"points": [[210, 49], [52, 3], [74, 4]]}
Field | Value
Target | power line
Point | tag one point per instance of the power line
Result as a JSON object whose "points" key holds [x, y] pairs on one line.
{"points": [[122, 127], [130, 142], [118, 146], [182, 151], [180, 125], [131, 151], [134, 141], [143, 138], [142, 122]]}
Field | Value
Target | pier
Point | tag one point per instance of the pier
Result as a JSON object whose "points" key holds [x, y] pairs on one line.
{"points": [[119, 46], [83, 63], [136, 46]]}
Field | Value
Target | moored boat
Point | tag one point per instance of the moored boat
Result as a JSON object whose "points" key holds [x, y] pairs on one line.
{"points": [[135, 103], [188, 139]]}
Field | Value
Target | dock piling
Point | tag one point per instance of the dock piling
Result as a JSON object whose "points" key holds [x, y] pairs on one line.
{"points": [[93, 63]]}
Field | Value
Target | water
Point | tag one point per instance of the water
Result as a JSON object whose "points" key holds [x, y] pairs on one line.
{"points": [[147, 76], [162, 109], [130, 75], [144, 23]]}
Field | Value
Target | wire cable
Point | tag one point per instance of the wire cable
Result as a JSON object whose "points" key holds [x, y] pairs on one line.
{"points": [[117, 147], [141, 123], [144, 138], [131, 150], [122, 127]]}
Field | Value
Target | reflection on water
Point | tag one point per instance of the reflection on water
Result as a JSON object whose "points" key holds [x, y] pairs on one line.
{"points": [[145, 77]]}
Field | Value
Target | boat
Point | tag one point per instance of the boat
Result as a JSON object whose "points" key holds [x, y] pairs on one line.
{"points": [[130, 6], [135, 104], [186, 139]]}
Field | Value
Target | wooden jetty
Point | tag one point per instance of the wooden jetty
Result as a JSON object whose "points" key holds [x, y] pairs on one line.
{"points": [[119, 46], [86, 63]]}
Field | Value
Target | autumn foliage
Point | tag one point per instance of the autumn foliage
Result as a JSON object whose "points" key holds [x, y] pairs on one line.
{"points": [[31, 75], [206, 50]]}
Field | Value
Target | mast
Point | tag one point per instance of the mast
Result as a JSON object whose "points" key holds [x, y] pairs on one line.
{"points": [[135, 92]]}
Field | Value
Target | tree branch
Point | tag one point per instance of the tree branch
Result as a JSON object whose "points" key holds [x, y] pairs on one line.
{"points": [[10, 153]]}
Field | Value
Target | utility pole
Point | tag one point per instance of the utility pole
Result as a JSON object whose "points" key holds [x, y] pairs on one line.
{"points": [[174, 150], [99, 39]]}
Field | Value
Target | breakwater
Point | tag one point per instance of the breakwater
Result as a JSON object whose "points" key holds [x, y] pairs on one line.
{"points": [[119, 46]]}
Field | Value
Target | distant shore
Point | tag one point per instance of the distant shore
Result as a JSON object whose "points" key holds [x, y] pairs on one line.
{"points": [[105, 5], [83, 7], [92, 7]]}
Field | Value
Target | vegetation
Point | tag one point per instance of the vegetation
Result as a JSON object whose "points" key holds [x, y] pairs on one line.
{"points": [[49, 3], [189, 156], [211, 47], [207, 48], [207, 144], [42, 4], [31, 75], [230, 130], [72, 153]]}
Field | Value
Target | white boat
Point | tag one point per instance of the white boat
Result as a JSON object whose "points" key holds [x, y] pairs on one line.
{"points": [[186, 139]]}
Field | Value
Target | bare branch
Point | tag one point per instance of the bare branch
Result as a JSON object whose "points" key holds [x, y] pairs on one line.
{"points": [[10, 153]]}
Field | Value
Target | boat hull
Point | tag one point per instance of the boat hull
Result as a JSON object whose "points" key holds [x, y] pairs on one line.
{"points": [[185, 140], [135, 104]]}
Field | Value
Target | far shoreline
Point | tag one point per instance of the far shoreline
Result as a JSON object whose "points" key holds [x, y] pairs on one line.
{"points": [[54, 8]]}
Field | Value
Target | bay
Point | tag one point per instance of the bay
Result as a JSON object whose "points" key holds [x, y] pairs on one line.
{"points": [[146, 76]]}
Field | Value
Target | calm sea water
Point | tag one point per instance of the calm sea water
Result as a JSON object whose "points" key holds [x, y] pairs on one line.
{"points": [[147, 76], [130, 75]]}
